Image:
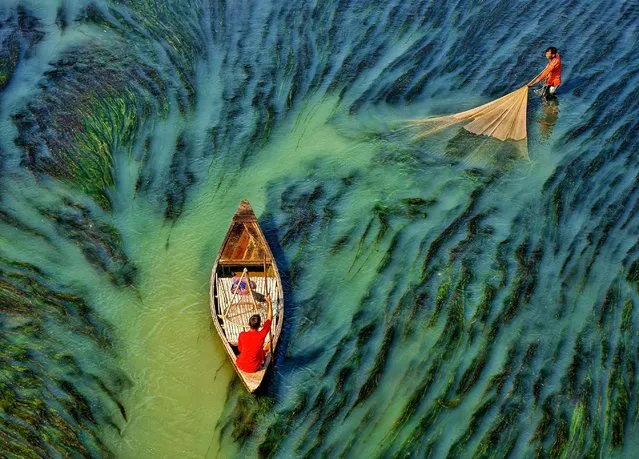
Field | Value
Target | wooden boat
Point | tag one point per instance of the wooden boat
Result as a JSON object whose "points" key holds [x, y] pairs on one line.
{"points": [[245, 254]]}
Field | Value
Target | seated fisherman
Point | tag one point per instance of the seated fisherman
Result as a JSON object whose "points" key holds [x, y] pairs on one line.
{"points": [[251, 343]]}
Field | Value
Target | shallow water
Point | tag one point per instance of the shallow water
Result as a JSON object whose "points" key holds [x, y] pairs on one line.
{"points": [[440, 300]]}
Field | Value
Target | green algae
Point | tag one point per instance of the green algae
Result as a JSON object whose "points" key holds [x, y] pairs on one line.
{"points": [[172, 25], [477, 417], [474, 370], [22, 32], [100, 242], [483, 309], [560, 442], [633, 274], [501, 436], [580, 357], [580, 421], [41, 396], [375, 373], [525, 280], [434, 247], [9, 57], [97, 124], [617, 392], [455, 321], [443, 401], [443, 292]]}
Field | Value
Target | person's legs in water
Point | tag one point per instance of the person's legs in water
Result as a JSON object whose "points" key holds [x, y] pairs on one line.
{"points": [[541, 91], [547, 92]]}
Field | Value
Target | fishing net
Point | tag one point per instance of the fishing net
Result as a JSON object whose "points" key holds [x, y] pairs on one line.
{"points": [[240, 312], [503, 119]]}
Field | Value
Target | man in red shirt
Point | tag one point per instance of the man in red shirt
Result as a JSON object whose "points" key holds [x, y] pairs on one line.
{"points": [[251, 343], [552, 73]]}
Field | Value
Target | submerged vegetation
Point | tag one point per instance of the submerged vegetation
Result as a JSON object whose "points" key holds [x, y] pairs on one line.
{"points": [[51, 398]]}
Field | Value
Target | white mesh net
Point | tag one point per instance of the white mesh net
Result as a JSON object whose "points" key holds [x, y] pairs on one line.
{"points": [[503, 119]]}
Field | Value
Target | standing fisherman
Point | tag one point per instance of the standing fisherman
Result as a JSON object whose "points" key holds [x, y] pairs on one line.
{"points": [[552, 74]]}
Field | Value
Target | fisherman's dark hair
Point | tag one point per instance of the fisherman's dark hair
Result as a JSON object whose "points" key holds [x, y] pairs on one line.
{"points": [[552, 50], [255, 321]]}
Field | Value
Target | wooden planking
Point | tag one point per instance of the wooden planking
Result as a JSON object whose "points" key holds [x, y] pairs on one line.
{"points": [[253, 380], [234, 235], [243, 245], [244, 213], [258, 254], [240, 248]]}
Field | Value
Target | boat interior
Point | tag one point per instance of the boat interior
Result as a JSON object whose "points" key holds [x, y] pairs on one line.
{"points": [[235, 308]]}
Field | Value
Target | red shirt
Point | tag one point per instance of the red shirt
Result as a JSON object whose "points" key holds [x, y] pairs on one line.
{"points": [[250, 344], [552, 72]]}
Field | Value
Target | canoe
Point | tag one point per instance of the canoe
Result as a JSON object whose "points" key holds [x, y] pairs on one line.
{"points": [[245, 256]]}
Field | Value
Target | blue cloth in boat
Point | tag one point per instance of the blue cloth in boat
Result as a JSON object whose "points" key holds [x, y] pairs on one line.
{"points": [[241, 285]]}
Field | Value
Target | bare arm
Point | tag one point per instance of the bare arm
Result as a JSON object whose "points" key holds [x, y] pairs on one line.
{"points": [[269, 314], [535, 80], [269, 318], [551, 65]]}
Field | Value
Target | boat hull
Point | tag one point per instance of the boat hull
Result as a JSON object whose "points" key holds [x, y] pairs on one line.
{"points": [[245, 257]]}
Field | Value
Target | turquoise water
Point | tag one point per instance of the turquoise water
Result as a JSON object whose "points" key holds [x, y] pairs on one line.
{"points": [[440, 300]]}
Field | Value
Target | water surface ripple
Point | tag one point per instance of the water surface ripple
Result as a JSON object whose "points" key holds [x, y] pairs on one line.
{"points": [[443, 298]]}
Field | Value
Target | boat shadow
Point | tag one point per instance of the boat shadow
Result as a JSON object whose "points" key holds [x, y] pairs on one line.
{"points": [[269, 228]]}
